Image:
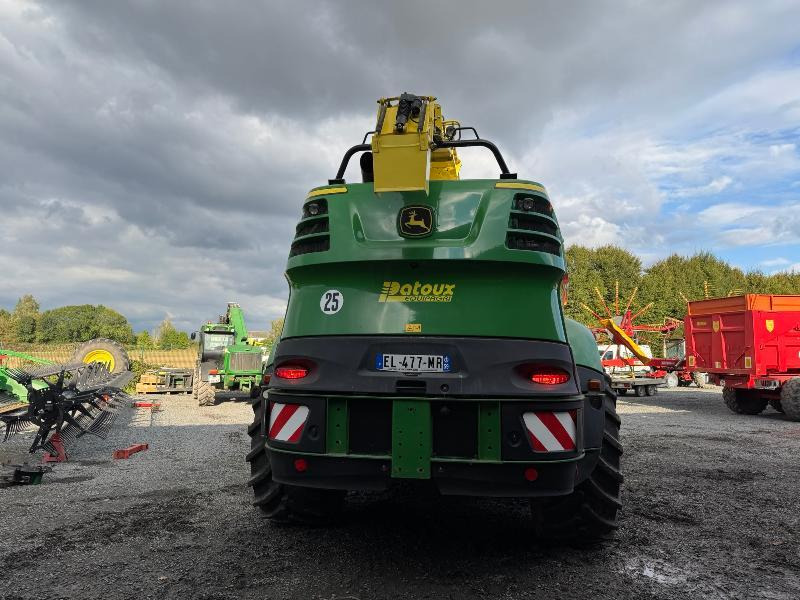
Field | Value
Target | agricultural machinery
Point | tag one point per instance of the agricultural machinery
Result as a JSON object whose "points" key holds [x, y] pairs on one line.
{"points": [[425, 340], [62, 401], [750, 345], [226, 361], [632, 365]]}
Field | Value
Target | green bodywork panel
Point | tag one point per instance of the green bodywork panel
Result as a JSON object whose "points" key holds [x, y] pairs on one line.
{"points": [[489, 431], [494, 291], [584, 346], [11, 390]]}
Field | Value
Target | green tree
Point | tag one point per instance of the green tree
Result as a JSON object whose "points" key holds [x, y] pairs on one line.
{"points": [[600, 268], [83, 322], [144, 340], [24, 319], [275, 330], [170, 338]]}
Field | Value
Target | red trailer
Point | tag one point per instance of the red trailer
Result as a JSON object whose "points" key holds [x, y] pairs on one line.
{"points": [[750, 345]]}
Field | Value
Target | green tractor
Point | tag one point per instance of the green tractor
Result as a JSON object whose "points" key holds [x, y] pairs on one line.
{"points": [[425, 339], [226, 360]]}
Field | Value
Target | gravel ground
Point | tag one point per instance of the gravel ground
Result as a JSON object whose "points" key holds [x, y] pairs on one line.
{"points": [[711, 511]]}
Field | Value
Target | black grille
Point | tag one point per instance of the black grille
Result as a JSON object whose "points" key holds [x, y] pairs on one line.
{"points": [[532, 222], [312, 226], [531, 203], [370, 426], [315, 244], [455, 429], [532, 242]]}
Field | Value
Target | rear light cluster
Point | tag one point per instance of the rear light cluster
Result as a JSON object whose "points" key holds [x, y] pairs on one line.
{"points": [[544, 374], [290, 371]]}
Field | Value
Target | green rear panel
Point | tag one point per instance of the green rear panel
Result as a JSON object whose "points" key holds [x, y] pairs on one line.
{"points": [[461, 280]]}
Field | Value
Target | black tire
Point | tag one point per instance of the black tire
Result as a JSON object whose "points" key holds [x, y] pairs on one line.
{"points": [[776, 404], [255, 391], [700, 380], [280, 502], [590, 512], [742, 401], [640, 390], [622, 392], [651, 390], [121, 360], [206, 394], [790, 398]]}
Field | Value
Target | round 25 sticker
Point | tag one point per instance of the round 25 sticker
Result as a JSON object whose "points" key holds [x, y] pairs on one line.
{"points": [[331, 302]]}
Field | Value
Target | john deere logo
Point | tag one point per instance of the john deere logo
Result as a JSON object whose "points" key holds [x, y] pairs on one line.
{"points": [[415, 221]]}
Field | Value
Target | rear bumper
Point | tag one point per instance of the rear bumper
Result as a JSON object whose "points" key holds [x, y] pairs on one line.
{"points": [[470, 478]]}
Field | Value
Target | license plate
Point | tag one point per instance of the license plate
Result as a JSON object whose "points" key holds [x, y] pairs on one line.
{"points": [[413, 363], [213, 379]]}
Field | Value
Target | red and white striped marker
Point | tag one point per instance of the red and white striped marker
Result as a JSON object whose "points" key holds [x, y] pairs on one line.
{"points": [[286, 422], [552, 431]]}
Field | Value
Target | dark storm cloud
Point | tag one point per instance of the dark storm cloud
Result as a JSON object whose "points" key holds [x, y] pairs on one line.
{"points": [[153, 155]]}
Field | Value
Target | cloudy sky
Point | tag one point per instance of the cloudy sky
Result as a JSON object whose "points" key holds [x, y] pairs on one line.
{"points": [[154, 155]]}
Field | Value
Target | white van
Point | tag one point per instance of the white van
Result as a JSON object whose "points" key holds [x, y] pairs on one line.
{"points": [[614, 351]]}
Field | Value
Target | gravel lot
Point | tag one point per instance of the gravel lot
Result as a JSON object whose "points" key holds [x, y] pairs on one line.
{"points": [[711, 511]]}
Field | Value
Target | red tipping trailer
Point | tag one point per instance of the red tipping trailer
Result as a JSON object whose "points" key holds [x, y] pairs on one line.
{"points": [[750, 345]]}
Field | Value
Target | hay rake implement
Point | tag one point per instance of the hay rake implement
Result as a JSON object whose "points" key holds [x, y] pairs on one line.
{"points": [[61, 401]]}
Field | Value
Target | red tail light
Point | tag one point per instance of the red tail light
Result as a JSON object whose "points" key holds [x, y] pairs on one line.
{"points": [[213, 371], [291, 372], [549, 376], [266, 378]]}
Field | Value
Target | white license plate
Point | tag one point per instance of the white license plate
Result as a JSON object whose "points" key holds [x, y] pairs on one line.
{"points": [[213, 379], [413, 363]]}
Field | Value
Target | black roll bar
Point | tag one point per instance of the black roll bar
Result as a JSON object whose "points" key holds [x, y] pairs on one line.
{"points": [[504, 172]]}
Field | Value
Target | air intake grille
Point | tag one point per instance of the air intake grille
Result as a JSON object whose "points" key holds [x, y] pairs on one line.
{"points": [[525, 241], [311, 234], [532, 223], [245, 361]]}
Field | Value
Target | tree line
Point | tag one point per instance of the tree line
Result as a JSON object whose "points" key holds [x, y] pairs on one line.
{"points": [[666, 285], [27, 324]]}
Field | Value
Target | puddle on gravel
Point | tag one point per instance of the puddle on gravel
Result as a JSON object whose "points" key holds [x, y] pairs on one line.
{"points": [[655, 570]]}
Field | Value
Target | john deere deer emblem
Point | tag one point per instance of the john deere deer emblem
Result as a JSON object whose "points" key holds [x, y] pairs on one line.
{"points": [[415, 221]]}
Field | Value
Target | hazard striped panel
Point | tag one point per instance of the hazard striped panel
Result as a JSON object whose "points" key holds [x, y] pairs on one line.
{"points": [[550, 431], [287, 421]]}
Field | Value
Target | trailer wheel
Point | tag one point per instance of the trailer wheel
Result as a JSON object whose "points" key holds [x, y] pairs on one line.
{"points": [[590, 512], [790, 398], [285, 502], [206, 394], [743, 402], [640, 390], [651, 390], [671, 380], [622, 391], [700, 380]]}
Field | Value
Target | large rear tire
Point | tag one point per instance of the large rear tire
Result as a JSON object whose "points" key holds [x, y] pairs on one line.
{"points": [[206, 394], [790, 398], [106, 351], [285, 502], [590, 512], [671, 380], [742, 401]]}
